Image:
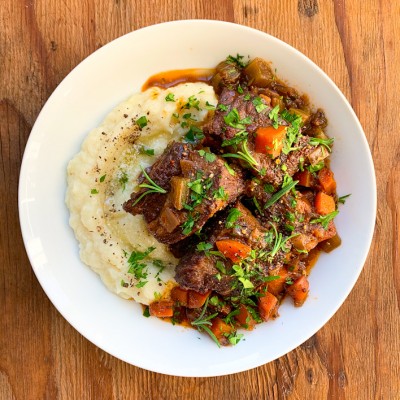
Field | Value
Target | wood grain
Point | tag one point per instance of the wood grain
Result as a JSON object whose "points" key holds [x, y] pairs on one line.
{"points": [[356, 355]]}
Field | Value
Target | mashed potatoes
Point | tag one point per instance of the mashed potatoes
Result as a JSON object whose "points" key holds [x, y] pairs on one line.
{"points": [[101, 177]]}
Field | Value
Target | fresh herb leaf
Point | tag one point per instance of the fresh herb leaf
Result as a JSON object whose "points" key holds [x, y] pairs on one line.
{"points": [[293, 130], [235, 338], [239, 89], [234, 214], [147, 151], [274, 198], [151, 185], [238, 60], [325, 219], [233, 119], [102, 178], [94, 191], [141, 122], [220, 194], [170, 97], [257, 204], [323, 142], [209, 106], [342, 199], [188, 225], [316, 167], [210, 157], [243, 155], [238, 138], [194, 134], [273, 115], [222, 107], [229, 168], [259, 105], [146, 312], [192, 102]]}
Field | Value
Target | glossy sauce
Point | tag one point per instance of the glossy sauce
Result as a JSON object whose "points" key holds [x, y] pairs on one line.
{"points": [[168, 79]]}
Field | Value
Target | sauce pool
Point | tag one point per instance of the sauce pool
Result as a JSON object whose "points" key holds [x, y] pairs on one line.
{"points": [[168, 79]]}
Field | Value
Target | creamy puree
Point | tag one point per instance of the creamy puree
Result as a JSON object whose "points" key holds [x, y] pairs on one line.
{"points": [[103, 174]]}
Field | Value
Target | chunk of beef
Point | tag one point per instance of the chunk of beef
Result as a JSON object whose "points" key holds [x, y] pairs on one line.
{"points": [[198, 270], [204, 182], [161, 172]]}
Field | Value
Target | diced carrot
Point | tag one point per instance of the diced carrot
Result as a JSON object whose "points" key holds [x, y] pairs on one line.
{"points": [[180, 295], [233, 249], [221, 330], [276, 286], [327, 180], [324, 204], [270, 140], [244, 318], [267, 306], [299, 291], [162, 309], [196, 299], [305, 178]]}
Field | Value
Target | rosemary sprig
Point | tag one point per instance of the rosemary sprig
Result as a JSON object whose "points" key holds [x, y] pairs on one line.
{"points": [[202, 323], [152, 186], [244, 155], [280, 193], [324, 142]]}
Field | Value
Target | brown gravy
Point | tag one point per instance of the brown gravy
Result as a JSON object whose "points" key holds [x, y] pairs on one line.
{"points": [[168, 79]]}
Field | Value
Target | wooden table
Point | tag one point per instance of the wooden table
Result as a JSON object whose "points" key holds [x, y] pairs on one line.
{"points": [[357, 354]]}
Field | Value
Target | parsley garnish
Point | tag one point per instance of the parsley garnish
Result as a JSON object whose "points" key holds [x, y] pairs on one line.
{"points": [[138, 269], [293, 130], [210, 157], [146, 151], [236, 60], [170, 97], [188, 225], [324, 142], [220, 194], [273, 115], [238, 138], [316, 167], [260, 106], [192, 102], [94, 191], [194, 134], [233, 119], [239, 89], [234, 214], [102, 178], [222, 107], [209, 106], [324, 220], [141, 122]]}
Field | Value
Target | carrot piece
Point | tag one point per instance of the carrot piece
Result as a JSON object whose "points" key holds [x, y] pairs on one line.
{"points": [[270, 140], [299, 291], [180, 295], [267, 306], [327, 180], [233, 249], [221, 330], [162, 309], [244, 318], [305, 178], [196, 299], [276, 286], [324, 204]]}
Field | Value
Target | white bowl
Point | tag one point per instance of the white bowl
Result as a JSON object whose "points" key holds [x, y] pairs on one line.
{"points": [[81, 102]]}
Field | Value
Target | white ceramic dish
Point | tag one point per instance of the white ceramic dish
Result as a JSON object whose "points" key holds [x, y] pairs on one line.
{"points": [[81, 102]]}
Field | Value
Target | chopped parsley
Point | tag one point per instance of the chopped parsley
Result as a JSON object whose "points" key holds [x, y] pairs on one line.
{"points": [[209, 106], [293, 130], [234, 214], [102, 178], [94, 191], [222, 107], [233, 119], [170, 97], [238, 60], [273, 115], [325, 219], [259, 105], [137, 268], [316, 167], [141, 122], [192, 102], [323, 142], [194, 134], [147, 151], [220, 194], [210, 157]]}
